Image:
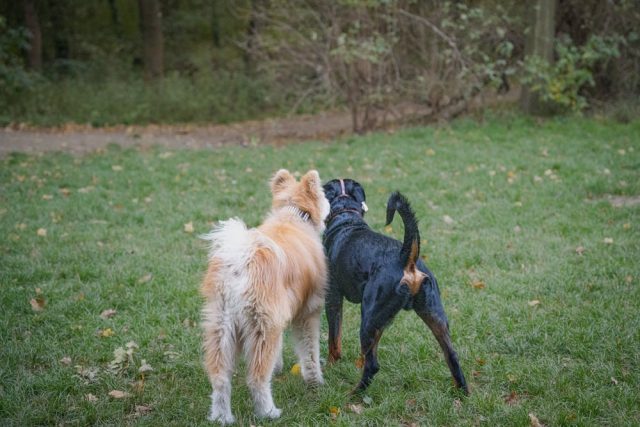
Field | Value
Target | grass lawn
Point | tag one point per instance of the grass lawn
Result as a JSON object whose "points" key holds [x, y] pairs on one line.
{"points": [[538, 270]]}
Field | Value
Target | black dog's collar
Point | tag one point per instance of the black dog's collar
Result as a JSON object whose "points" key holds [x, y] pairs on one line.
{"points": [[338, 212]]}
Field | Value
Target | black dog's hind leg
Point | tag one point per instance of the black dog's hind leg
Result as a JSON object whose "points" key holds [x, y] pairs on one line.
{"points": [[428, 306], [333, 309], [377, 312]]}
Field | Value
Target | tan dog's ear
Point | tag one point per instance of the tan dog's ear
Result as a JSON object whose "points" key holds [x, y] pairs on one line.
{"points": [[311, 182], [281, 180]]}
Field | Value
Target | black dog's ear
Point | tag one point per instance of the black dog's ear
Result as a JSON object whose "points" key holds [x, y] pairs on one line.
{"points": [[358, 192], [331, 189]]}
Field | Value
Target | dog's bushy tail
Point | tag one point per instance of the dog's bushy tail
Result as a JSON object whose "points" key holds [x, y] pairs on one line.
{"points": [[411, 244]]}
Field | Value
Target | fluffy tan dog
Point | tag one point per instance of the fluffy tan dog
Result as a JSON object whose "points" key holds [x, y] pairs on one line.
{"points": [[259, 280]]}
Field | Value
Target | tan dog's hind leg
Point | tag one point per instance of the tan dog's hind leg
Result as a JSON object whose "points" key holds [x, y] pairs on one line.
{"points": [[219, 352], [262, 349], [306, 335]]}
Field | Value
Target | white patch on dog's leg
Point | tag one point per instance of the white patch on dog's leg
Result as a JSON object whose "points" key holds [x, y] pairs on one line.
{"points": [[306, 334]]}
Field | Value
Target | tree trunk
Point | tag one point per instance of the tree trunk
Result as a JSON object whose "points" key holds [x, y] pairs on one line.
{"points": [[152, 40], [540, 43], [34, 56]]}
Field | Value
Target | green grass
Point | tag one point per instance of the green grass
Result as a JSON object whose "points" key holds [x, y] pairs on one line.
{"points": [[570, 360]]}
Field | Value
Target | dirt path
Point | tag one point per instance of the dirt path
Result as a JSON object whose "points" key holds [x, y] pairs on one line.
{"points": [[80, 139], [83, 139]]}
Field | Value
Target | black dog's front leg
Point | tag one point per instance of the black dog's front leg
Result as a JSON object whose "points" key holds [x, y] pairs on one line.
{"points": [[429, 308], [333, 309]]}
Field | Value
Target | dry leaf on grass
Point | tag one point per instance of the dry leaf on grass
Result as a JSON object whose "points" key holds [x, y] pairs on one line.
{"points": [[580, 250], [478, 284], [295, 369], [334, 411], [42, 232], [106, 333], [118, 394], [356, 409], [533, 303], [116, 168], [388, 229], [90, 397], [188, 227], [534, 421], [37, 303], [448, 220], [608, 241], [66, 360], [360, 362], [511, 399], [143, 409], [144, 367], [108, 313], [145, 278]]}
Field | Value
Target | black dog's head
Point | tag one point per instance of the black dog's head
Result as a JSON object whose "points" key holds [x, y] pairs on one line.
{"points": [[345, 195]]}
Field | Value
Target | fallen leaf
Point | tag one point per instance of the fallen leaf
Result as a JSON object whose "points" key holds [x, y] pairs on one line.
{"points": [[536, 178], [356, 409], [295, 369], [512, 378], [628, 279], [66, 360], [448, 220], [457, 404], [88, 374], [143, 409], [367, 400], [116, 168], [480, 361], [90, 397], [511, 399], [608, 241], [65, 192], [517, 229], [108, 313], [478, 284], [42, 232], [360, 362], [533, 303], [47, 197], [118, 394], [534, 421], [626, 226], [38, 303], [388, 229], [431, 152], [145, 278], [106, 333], [580, 250], [614, 381], [410, 402], [144, 367], [334, 411], [188, 227]]}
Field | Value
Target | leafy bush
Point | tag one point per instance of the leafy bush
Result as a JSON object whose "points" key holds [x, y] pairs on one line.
{"points": [[563, 82], [14, 79]]}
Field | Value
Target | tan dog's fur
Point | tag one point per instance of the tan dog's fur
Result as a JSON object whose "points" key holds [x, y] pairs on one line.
{"points": [[258, 281]]}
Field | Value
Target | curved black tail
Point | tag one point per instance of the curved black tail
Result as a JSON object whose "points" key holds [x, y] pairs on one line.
{"points": [[411, 244]]}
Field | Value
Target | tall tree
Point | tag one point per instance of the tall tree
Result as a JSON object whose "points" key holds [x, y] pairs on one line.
{"points": [[540, 43], [34, 56], [152, 39]]}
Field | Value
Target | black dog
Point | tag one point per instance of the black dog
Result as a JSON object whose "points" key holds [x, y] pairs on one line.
{"points": [[381, 273]]}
